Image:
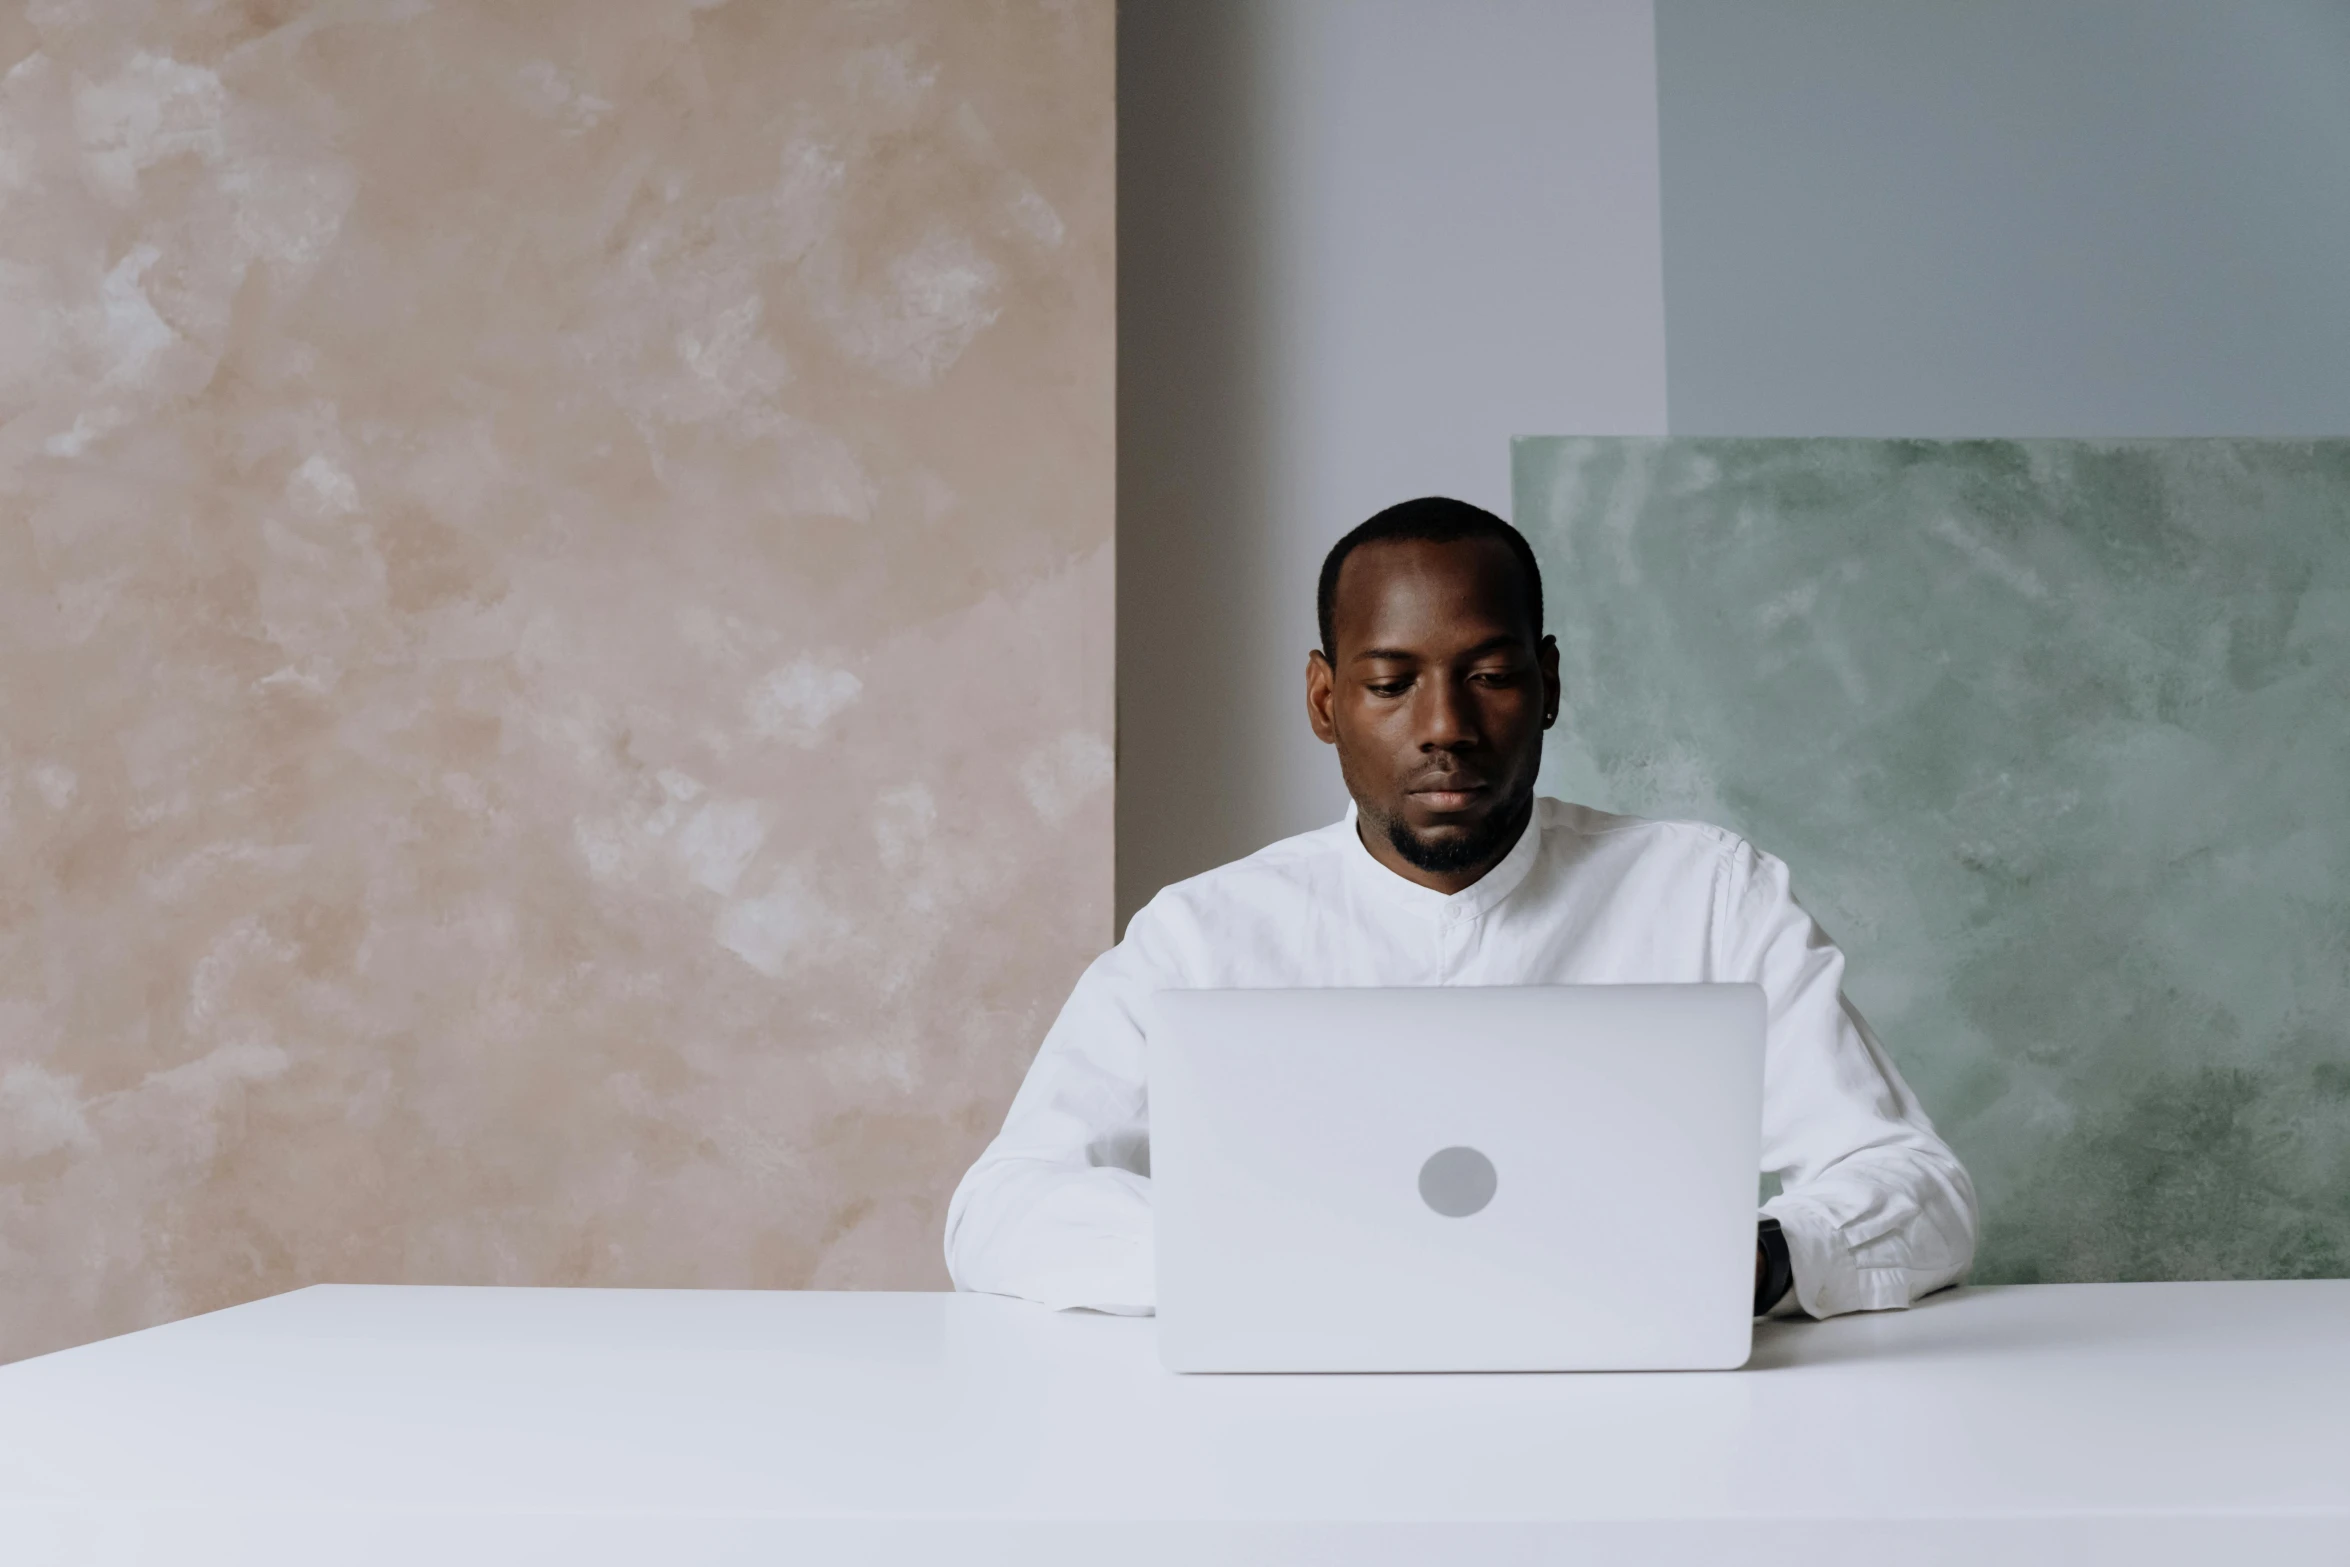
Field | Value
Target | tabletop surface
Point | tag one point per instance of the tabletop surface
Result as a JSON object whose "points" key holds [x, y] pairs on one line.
{"points": [[2155, 1399]]}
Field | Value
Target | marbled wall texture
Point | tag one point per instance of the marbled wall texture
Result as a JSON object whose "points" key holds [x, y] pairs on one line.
{"points": [[2056, 736], [554, 634]]}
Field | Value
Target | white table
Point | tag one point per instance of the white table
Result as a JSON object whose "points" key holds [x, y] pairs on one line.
{"points": [[343, 1425]]}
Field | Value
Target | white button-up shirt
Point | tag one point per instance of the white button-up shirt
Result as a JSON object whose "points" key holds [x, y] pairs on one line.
{"points": [[1875, 1208]]}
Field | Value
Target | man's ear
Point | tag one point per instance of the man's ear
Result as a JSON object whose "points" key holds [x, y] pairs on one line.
{"points": [[1548, 656], [1321, 692]]}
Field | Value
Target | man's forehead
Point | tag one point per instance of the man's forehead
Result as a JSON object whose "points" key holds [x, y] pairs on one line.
{"points": [[1453, 589]]}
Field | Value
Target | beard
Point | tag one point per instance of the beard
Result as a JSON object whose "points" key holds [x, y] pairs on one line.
{"points": [[1484, 842]]}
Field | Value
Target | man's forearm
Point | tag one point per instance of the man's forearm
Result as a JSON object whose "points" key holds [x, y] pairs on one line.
{"points": [[1061, 1236], [1877, 1230]]}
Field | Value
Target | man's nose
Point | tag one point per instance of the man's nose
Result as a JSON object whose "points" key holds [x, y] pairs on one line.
{"points": [[1447, 718]]}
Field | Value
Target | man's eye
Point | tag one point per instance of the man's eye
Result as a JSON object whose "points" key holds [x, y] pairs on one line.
{"points": [[1496, 677], [1388, 687]]}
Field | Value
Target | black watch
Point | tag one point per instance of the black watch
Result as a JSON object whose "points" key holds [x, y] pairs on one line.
{"points": [[1778, 1272]]}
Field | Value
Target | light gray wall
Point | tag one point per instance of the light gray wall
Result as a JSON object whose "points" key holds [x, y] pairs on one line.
{"points": [[1361, 243], [2007, 217]]}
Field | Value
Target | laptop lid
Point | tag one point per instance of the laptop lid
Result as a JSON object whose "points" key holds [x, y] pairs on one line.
{"points": [[1505, 1178]]}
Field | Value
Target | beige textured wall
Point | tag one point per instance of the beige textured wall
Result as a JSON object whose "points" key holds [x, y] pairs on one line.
{"points": [[554, 634]]}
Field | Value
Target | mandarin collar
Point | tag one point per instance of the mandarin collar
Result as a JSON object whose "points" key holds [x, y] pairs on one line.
{"points": [[1472, 901]]}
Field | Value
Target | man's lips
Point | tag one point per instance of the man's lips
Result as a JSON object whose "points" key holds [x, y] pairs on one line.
{"points": [[1448, 794]]}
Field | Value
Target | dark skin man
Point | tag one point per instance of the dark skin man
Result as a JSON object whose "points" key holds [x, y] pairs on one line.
{"points": [[1436, 694], [1435, 684]]}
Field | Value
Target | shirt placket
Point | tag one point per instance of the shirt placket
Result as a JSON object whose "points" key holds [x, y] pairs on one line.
{"points": [[1454, 932]]}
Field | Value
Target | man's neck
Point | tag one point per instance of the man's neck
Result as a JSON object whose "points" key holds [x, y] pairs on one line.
{"points": [[1447, 882]]}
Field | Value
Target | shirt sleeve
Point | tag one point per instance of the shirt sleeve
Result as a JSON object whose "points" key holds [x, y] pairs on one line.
{"points": [[1876, 1209], [1058, 1210]]}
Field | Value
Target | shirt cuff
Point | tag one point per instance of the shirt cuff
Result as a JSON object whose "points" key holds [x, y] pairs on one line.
{"points": [[1827, 1283]]}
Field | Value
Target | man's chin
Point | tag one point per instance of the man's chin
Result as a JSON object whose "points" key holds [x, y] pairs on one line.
{"points": [[1447, 847]]}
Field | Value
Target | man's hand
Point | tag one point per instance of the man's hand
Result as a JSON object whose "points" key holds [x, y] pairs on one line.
{"points": [[1773, 1275]]}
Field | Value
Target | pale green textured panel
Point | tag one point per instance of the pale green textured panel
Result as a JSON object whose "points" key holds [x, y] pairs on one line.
{"points": [[2056, 736]]}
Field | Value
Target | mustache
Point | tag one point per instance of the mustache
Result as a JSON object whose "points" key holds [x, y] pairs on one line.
{"points": [[1446, 778]]}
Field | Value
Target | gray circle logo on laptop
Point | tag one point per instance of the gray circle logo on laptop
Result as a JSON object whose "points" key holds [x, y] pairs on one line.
{"points": [[1456, 1182]]}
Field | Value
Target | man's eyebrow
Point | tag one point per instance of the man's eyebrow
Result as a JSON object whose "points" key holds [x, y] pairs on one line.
{"points": [[1494, 644]]}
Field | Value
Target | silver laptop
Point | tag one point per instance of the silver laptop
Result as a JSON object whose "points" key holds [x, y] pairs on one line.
{"points": [[1509, 1178]]}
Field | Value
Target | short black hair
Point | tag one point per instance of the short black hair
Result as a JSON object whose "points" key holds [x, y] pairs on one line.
{"points": [[1434, 519]]}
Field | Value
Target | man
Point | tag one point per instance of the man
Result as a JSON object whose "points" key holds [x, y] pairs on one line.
{"points": [[1435, 682]]}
